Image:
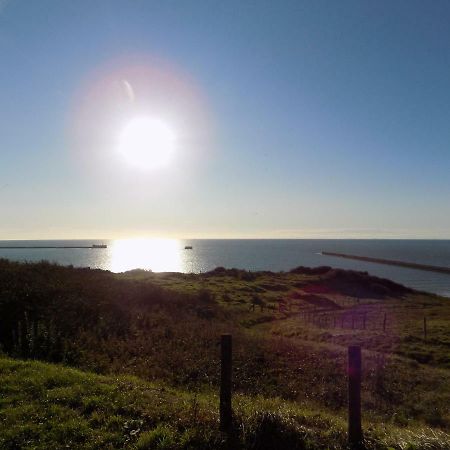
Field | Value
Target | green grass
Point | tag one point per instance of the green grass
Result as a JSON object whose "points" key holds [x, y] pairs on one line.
{"points": [[406, 377], [45, 406], [289, 365]]}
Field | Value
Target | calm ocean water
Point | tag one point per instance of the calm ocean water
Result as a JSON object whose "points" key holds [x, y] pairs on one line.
{"points": [[161, 255]]}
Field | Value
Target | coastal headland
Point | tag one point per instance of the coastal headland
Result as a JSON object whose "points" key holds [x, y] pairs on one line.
{"points": [[132, 359]]}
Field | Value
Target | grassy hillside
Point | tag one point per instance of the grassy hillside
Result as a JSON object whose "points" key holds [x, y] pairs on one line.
{"points": [[45, 406], [290, 336]]}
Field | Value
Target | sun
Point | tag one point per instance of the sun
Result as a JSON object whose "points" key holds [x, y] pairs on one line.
{"points": [[147, 143]]}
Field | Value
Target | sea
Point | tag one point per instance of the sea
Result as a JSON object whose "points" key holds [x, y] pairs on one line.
{"points": [[171, 255]]}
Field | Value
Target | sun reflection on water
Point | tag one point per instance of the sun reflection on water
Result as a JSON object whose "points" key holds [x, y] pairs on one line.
{"points": [[158, 255]]}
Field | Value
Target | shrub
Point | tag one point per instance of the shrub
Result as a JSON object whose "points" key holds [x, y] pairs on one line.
{"points": [[302, 270], [161, 438]]}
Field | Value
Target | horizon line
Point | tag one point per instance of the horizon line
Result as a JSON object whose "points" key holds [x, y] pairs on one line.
{"points": [[268, 238]]}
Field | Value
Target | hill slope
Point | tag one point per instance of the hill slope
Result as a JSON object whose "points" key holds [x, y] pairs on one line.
{"points": [[290, 333], [45, 406]]}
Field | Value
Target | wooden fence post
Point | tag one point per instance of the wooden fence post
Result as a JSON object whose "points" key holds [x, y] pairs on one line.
{"points": [[364, 320], [354, 395], [424, 327], [226, 419], [384, 322]]}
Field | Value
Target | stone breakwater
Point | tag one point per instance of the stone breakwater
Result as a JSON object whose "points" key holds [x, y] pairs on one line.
{"points": [[392, 262]]}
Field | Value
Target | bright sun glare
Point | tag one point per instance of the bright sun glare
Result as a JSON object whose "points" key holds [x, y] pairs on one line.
{"points": [[147, 143]]}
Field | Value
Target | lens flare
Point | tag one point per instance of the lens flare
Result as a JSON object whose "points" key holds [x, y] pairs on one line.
{"points": [[135, 109]]}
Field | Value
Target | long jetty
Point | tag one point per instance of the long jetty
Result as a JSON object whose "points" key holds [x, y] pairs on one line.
{"points": [[15, 247], [392, 262]]}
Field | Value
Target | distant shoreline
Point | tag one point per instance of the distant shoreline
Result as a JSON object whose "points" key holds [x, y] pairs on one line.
{"points": [[425, 239], [249, 254]]}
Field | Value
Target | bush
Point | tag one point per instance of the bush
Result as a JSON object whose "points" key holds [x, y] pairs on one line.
{"points": [[272, 432], [302, 270], [161, 438]]}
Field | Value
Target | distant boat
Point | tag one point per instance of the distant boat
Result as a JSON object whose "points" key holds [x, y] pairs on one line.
{"points": [[188, 247], [99, 246]]}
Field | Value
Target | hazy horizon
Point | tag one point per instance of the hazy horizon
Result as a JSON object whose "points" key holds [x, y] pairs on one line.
{"points": [[156, 238]]}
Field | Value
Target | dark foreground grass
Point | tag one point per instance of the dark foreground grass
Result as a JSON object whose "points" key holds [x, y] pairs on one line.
{"points": [[45, 406]]}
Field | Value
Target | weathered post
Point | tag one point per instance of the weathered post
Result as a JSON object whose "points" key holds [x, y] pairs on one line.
{"points": [[424, 327], [353, 321], [364, 320], [225, 384], [354, 395], [384, 322]]}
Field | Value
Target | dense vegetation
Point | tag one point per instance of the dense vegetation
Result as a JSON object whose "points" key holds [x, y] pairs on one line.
{"points": [[290, 334], [51, 407]]}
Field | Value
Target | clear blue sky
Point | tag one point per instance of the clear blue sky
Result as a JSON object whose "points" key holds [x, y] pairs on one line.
{"points": [[323, 118]]}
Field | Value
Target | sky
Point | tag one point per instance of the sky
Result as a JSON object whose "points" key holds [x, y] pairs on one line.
{"points": [[291, 119]]}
